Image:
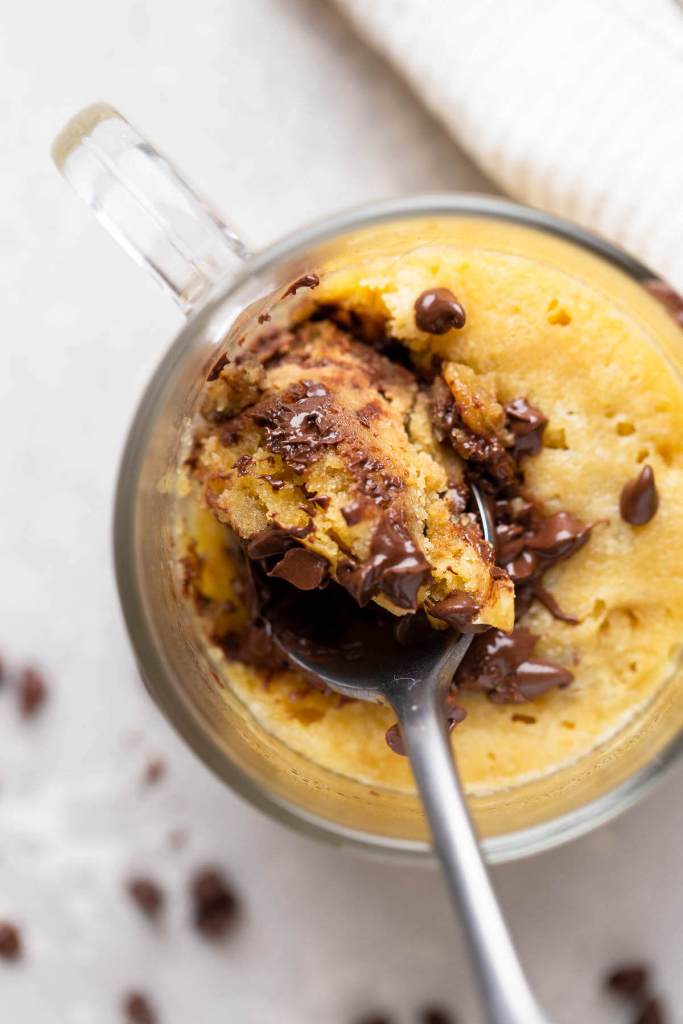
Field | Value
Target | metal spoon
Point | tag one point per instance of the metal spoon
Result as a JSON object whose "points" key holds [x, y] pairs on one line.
{"points": [[415, 683]]}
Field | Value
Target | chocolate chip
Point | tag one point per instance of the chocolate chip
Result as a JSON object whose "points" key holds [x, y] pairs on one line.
{"points": [[458, 610], [651, 1013], [32, 692], [302, 568], [138, 1009], [373, 478], [375, 1018], [639, 498], [534, 677], [148, 895], [275, 540], [436, 1015], [437, 310], [242, 464], [354, 512], [263, 317], [526, 423], [215, 904], [630, 980], [275, 483], [215, 371], [11, 947], [394, 738], [154, 770], [305, 281]]}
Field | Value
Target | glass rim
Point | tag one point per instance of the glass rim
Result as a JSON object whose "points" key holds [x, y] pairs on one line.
{"points": [[158, 676]]}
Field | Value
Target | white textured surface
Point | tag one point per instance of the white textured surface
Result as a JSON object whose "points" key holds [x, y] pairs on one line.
{"points": [[570, 105], [279, 114]]}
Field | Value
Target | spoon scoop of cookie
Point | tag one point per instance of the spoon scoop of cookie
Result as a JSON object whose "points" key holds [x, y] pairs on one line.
{"points": [[413, 674]]}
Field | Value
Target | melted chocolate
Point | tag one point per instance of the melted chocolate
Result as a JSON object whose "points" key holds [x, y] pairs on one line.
{"points": [[548, 601], [526, 424], [529, 543], [354, 512], [437, 311], [275, 540], [305, 281], [509, 541], [302, 568], [501, 666], [639, 498], [558, 536], [299, 425], [396, 567], [220, 363], [458, 610], [492, 460]]}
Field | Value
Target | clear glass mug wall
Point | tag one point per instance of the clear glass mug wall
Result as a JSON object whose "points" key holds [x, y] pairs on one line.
{"points": [[222, 289]]}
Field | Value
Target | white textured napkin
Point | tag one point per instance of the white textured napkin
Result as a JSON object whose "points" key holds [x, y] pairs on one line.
{"points": [[573, 106]]}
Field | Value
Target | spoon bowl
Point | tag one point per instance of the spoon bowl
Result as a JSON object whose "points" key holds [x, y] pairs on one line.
{"points": [[370, 662]]}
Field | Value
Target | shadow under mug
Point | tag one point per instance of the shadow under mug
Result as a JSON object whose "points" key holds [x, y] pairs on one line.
{"points": [[220, 287]]}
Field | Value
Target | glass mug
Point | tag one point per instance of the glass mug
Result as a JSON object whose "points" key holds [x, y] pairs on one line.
{"points": [[221, 288]]}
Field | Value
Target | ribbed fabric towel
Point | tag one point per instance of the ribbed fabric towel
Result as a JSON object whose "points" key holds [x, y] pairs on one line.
{"points": [[573, 106]]}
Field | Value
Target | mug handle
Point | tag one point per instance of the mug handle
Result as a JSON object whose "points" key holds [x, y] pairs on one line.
{"points": [[145, 204]]}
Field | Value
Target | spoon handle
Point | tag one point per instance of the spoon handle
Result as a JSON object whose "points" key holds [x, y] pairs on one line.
{"points": [[504, 989]]}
